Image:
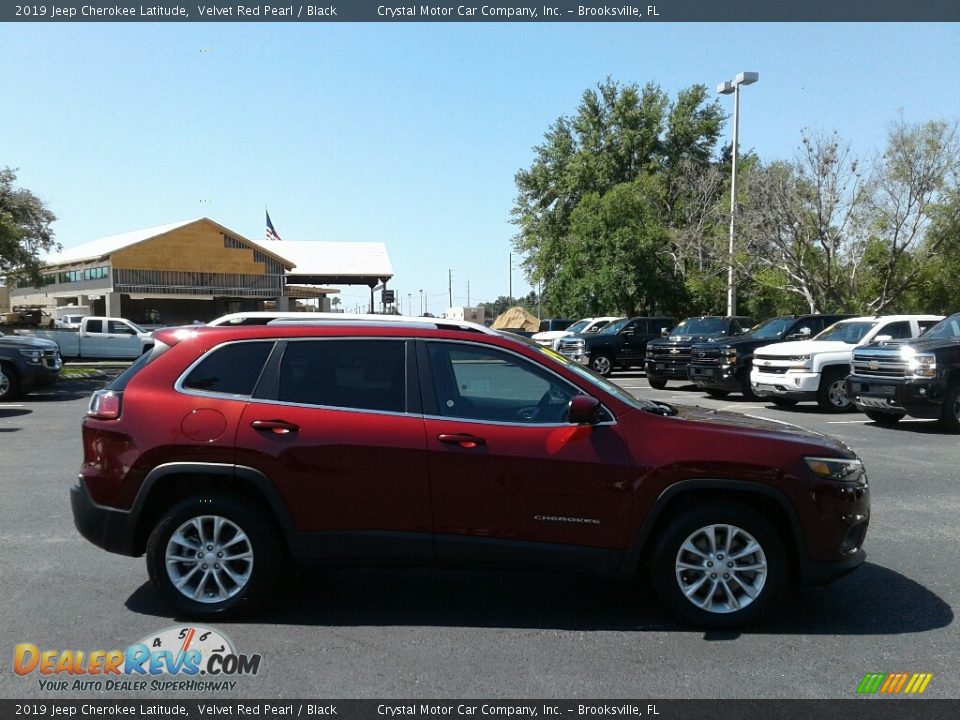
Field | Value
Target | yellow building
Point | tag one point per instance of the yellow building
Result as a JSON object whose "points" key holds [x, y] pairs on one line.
{"points": [[197, 270]]}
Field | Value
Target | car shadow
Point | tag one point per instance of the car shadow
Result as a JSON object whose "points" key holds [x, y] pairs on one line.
{"points": [[920, 427], [66, 390], [874, 600]]}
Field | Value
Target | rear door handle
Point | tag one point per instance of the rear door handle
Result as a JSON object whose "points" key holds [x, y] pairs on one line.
{"points": [[277, 427], [464, 440]]}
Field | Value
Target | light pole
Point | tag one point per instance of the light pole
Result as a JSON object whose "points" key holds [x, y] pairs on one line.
{"points": [[421, 303], [727, 88]]}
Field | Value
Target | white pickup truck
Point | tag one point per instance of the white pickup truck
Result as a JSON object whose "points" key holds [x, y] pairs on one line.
{"points": [[816, 369], [98, 338]]}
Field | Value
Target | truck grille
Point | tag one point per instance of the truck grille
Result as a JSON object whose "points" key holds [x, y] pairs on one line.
{"points": [[670, 353], [51, 359], [758, 363], [568, 347], [704, 357], [885, 365]]}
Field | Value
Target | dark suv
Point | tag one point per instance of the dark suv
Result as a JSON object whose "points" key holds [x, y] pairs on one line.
{"points": [[225, 450], [620, 344], [669, 358]]}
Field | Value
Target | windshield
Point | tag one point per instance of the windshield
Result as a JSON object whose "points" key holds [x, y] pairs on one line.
{"points": [[597, 326], [847, 332], [701, 326], [578, 326], [773, 328], [947, 328]]}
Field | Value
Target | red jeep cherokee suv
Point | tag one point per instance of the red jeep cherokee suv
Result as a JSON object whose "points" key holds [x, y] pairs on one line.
{"points": [[226, 450]]}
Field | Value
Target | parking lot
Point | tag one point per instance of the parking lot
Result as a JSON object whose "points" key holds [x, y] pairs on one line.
{"points": [[435, 633]]}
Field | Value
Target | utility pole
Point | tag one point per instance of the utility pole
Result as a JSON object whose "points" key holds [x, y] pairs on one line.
{"points": [[510, 293], [449, 288], [468, 292], [410, 303]]}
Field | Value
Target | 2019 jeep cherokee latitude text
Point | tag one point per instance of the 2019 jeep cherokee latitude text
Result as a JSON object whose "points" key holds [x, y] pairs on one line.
{"points": [[227, 449]]}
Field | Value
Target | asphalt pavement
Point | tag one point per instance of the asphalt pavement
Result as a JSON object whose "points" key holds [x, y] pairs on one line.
{"points": [[437, 633]]}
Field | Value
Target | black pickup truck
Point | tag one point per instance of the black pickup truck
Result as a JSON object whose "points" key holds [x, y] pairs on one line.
{"points": [[668, 358], [920, 378], [619, 345], [723, 366]]}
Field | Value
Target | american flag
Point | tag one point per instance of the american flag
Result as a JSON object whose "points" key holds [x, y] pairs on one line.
{"points": [[271, 233]]}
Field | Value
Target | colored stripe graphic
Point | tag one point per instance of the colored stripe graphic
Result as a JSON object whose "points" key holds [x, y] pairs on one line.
{"points": [[870, 683], [894, 683]]}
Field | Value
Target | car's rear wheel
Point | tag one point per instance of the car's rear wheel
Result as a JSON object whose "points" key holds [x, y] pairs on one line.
{"points": [[832, 393], [884, 418], [601, 364], [213, 556], [9, 383], [657, 384], [719, 566]]}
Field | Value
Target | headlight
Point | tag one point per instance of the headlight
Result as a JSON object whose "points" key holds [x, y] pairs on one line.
{"points": [[798, 362], [919, 364], [839, 469], [33, 356]]}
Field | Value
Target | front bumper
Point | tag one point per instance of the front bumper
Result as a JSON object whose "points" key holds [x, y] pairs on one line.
{"points": [[822, 573], [723, 377], [107, 528], [918, 398], [791, 385], [35, 376], [666, 370]]}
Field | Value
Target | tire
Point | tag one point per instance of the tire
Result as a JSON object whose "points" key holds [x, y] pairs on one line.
{"points": [[242, 584], [602, 364], [883, 418], [714, 393], [832, 393], [657, 384], [783, 402], [9, 383], [679, 582], [950, 415], [746, 389]]}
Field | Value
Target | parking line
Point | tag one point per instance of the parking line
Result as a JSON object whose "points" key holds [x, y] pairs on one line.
{"points": [[11, 405], [847, 422]]}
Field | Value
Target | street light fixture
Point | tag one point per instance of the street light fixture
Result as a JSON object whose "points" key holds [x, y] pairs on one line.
{"points": [[732, 87]]}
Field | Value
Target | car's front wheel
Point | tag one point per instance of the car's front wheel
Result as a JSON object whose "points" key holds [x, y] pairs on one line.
{"points": [[884, 418], [719, 566], [213, 556], [9, 383], [601, 364], [832, 393]]}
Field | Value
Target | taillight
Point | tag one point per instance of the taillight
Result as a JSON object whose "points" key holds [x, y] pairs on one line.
{"points": [[105, 405]]}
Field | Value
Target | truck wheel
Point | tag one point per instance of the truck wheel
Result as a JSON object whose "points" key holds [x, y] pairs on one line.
{"points": [[747, 390], [714, 393], [213, 556], [657, 384], [719, 565], [950, 417], [601, 365], [832, 393], [883, 418], [9, 383]]}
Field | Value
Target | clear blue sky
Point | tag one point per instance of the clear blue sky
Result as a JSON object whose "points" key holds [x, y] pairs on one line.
{"points": [[407, 134]]}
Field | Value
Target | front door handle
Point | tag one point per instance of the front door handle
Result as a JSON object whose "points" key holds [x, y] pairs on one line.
{"points": [[277, 427], [464, 440]]}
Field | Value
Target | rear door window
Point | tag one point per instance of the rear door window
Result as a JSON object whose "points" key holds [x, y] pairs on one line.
{"points": [[358, 374]]}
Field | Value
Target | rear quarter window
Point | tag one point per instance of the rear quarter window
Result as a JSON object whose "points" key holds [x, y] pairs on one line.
{"points": [[230, 369]]}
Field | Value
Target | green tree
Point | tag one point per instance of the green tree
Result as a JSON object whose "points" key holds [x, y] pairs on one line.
{"points": [[25, 231], [594, 253]]}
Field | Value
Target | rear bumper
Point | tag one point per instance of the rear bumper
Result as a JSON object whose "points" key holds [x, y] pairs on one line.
{"points": [[107, 528]]}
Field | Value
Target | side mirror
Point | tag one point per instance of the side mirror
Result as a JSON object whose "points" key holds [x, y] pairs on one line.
{"points": [[584, 410], [664, 332]]}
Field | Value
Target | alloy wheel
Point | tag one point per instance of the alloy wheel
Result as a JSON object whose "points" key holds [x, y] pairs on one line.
{"points": [[209, 559]]}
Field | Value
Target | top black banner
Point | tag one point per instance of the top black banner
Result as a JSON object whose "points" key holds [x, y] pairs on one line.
{"points": [[551, 11]]}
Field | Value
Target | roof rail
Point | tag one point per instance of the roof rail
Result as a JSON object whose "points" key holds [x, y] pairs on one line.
{"points": [[382, 320]]}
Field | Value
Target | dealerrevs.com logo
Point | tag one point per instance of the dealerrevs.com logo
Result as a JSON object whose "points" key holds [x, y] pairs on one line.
{"points": [[174, 659], [894, 683]]}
